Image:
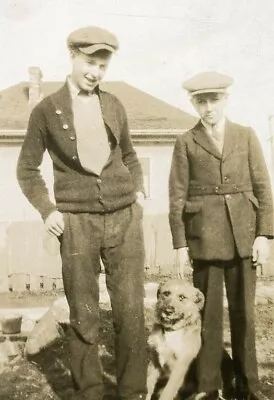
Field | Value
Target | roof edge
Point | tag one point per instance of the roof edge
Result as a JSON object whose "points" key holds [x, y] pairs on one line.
{"points": [[138, 135]]}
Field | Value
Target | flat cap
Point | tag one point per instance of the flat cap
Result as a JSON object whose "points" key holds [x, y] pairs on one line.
{"points": [[207, 82], [91, 39]]}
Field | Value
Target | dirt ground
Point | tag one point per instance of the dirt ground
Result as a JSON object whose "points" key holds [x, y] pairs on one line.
{"points": [[46, 376]]}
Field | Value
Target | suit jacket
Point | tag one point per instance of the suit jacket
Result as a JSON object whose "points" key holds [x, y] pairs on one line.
{"points": [[219, 202], [51, 127]]}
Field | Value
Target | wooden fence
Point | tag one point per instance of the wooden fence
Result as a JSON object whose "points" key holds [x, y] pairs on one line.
{"points": [[30, 260]]}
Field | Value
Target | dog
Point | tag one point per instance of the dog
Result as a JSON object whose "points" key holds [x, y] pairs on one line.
{"points": [[175, 338]]}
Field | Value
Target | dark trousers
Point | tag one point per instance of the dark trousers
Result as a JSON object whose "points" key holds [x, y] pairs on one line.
{"points": [[118, 239], [239, 278]]}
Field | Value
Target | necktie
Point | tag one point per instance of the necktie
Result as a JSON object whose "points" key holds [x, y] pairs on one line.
{"points": [[84, 94], [217, 138]]}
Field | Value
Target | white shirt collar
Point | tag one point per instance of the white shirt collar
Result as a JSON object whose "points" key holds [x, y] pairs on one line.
{"points": [[75, 90], [219, 127]]}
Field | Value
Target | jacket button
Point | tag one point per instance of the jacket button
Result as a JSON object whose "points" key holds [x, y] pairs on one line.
{"points": [[58, 112], [99, 180], [228, 197], [226, 179], [216, 189], [72, 137], [74, 158], [65, 126]]}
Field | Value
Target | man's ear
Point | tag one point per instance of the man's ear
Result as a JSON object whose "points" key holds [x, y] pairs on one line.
{"points": [[159, 289]]}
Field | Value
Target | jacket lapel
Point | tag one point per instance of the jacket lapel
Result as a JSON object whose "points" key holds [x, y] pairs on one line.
{"points": [[229, 138], [63, 106], [202, 138], [109, 114]]}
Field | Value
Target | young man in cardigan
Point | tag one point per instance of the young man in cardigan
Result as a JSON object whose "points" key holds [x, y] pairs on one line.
{"points": [[98, 187]]}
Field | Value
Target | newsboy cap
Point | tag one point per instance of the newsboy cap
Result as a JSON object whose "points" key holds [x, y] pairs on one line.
{"points": [[207, 82], [91, 39]]}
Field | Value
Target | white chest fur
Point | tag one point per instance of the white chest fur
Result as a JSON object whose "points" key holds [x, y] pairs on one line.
{"points": [[173, 345]]}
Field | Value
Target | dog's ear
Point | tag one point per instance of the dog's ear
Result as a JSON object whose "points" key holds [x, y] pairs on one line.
{"points": [[159, 289], [200, 299]]}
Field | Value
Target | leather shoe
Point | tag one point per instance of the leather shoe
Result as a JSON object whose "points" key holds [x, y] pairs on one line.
{"points": [[258, 395], [214, 395], [229, 394]]}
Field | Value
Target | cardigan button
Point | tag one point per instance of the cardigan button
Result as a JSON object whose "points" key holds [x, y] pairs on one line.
{"points": [[228, 197], [58, 112], [72, 137], [65, 126], [74, 158]]}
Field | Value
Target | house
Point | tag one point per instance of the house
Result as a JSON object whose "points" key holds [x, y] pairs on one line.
{"points": [[153, 125]]}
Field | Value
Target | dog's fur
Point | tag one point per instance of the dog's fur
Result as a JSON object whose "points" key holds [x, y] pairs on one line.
{"points": [[175, 339]]}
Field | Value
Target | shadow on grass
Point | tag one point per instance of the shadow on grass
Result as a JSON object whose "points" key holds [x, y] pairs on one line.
{"points": [[46, 376], [54, 361]]}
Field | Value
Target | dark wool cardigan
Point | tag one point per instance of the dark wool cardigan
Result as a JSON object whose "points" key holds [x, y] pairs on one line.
{"points": [[76, 190]]}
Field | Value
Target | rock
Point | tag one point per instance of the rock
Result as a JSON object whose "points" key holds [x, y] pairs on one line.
{"points": [[49, 327], [28, 324]]}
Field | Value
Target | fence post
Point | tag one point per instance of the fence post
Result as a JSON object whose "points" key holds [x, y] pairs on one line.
{"points": [[4, 266]]}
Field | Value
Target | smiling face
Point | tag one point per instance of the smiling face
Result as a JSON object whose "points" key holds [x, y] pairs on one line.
{"points": [[89, 69], [177, 303], [210, 106]]}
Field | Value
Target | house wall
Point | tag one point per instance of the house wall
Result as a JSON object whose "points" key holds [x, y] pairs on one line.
{"points": [[15, 207], [159, 156], [29, 258]]}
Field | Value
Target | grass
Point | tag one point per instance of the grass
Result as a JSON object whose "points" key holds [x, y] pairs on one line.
{"points": [[46, 376]]}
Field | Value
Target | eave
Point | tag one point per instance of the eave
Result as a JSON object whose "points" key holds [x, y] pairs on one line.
{"points": [[142, 136]]}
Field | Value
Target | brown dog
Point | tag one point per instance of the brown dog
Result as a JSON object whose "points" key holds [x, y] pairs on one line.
{"points": [[175, 339]]}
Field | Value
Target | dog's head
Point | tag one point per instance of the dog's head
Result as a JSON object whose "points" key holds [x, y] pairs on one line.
{"points": [[178, 303]]}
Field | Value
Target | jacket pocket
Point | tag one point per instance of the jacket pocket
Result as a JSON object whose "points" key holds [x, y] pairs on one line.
{"points": [[252, 199], [192, 217], [192, 207]]}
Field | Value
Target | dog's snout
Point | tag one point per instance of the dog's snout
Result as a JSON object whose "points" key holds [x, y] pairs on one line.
{"points": [[169, 309]]}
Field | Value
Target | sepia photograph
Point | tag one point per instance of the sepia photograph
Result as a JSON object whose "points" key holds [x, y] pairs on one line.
{"points": [[136, 206]]}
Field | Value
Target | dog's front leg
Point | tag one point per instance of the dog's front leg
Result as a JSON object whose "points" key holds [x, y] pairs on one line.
{"points": [[153, 375], [176, 379]]}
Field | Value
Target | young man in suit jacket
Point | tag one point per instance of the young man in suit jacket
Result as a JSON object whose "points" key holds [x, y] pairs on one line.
{"points": [[221, 216], [98, 187]]}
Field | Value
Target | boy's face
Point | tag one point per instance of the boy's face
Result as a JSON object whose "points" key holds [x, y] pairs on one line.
{"points": [[210, 106], [89, 69]]}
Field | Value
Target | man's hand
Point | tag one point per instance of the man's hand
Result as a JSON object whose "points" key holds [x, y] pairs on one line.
{"points": [[260, 251], [182, 262], [54, 223]]}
